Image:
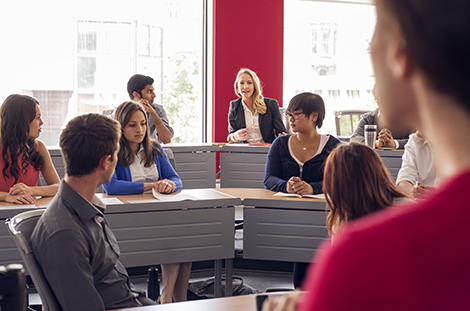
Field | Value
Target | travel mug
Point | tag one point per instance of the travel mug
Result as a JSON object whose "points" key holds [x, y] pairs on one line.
{"points": [[370, 134]]}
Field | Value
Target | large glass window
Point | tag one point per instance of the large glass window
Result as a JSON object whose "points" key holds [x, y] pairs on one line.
{"points": [[76, 57], [327, 51]]}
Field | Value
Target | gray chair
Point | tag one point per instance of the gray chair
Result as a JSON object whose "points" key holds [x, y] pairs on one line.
{"points": [[346, 122], [21, 227], [171, 156]]}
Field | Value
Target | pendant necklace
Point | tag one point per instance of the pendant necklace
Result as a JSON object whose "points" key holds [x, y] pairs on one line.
{"points": [[303, 147]]}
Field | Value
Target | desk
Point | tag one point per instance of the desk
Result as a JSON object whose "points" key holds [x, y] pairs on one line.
{"points": [[151, 232], [238, 303], [280, 228], [168, 232], [8, 251], [242, 165]]}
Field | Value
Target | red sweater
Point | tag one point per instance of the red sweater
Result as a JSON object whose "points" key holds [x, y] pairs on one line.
{"points": [[415, 257], [30, 179]]}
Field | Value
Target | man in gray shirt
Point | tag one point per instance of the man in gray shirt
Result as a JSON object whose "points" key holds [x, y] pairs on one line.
{"points": [[140, 88], [72, 241], [393, 138]]}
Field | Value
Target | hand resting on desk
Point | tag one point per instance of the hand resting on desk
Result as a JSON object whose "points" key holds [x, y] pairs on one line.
{"points": [[296, 185]]}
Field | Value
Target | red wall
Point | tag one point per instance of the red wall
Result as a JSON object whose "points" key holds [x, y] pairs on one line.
{"points": [[247, 33]]}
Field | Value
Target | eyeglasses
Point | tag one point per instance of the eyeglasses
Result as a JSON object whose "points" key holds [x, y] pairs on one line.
{"points": [[295, 115]]}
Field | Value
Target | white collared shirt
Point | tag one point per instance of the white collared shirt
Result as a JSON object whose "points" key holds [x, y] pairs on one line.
{"points": [[139, 172], [252, 124], [418, 162]]}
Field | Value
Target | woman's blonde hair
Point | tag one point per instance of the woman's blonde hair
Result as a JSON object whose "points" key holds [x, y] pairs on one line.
{"points": [[258, 99]]}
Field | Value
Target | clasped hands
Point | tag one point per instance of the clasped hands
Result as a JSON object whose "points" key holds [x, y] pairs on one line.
{"points": [[20, 194], [385, 138], [297, 185], [164, 186], [244, 134]]}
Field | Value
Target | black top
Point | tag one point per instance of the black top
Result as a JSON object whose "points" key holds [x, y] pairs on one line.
{"points": [[270, 123]]}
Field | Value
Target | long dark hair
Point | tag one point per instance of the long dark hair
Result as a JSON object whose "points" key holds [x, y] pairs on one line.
{"points": [[17, 112], [125, 156], [356, 183]]}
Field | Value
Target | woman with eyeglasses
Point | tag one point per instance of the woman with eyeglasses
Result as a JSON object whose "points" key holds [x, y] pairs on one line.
{"points": [[253, 118], [295, 162]]}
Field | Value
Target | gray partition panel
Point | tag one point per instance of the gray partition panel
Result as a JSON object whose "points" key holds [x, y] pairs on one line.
{"points": [[242, 170], [195, 164], [392, 160], [242, 166], [282, 234], [174, 236], [8, 251]]}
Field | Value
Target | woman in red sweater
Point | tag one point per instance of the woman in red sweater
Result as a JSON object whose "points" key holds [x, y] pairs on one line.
{"points": [[23, 156]]}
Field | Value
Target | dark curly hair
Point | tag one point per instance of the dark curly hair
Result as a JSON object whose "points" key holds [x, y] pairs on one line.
{"points": [[17, 112]]}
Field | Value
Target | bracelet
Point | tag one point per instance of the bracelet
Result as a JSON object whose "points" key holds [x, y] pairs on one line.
{"points": [[157, 122]]}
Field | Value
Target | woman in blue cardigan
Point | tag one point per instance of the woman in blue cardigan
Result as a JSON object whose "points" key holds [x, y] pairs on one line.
{"points": [[143, 166], [295, 162], [152, 170]]}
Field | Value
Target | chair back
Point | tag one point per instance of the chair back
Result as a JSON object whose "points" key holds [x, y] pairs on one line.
{"points": [[346, 121], [21, 227], [171, 157]]}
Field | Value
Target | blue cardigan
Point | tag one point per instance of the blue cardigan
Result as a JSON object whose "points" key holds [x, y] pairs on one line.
{"points": [[281, 166], [121, 182]]}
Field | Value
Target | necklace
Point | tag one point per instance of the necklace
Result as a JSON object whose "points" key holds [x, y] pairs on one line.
{"points": [[304, 148]]}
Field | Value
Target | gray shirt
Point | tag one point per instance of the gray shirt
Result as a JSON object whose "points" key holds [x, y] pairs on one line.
{"points": [[399, 135], [162, 114], [79, 255]]}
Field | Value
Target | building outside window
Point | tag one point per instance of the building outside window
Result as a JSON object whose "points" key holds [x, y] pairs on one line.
{"points": [[76, 57], [326, 51]]}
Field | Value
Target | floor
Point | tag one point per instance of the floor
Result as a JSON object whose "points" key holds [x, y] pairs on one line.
{"points": [[260, 280]]}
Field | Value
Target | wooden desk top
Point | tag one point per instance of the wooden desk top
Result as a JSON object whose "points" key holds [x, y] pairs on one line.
{"points": [[202, 194], [265, 194], [237, 303]]}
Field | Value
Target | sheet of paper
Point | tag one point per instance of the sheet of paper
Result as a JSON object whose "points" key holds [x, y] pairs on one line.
{"points": [[109, 201], [142, 201], [172, 197], [285, 194], [320, 196]]}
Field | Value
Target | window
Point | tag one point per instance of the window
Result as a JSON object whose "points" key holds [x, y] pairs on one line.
{"points": [[76, 57], [326, 51]]}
